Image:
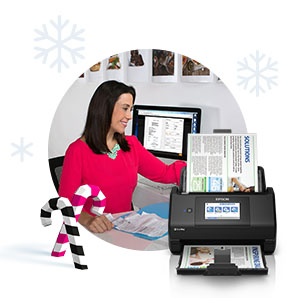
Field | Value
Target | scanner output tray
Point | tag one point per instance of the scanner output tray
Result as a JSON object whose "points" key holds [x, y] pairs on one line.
{"points": [[222, 260]]}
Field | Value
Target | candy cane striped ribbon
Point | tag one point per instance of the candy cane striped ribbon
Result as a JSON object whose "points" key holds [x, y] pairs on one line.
{"points": [[70, 226], [78, 201]]}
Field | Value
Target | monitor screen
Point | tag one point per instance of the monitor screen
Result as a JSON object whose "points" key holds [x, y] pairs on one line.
{"points": [[163, 130]]}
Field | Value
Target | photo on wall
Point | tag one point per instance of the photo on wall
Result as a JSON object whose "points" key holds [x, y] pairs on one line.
{"points": [[135, 59], [96, 67], [114, 62], [194, 71], [138, 62], [115, 67], [95, 72], [164, 66]]}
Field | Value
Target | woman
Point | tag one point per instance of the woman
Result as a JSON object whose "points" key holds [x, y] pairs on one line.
{"points": [[105, 157]]}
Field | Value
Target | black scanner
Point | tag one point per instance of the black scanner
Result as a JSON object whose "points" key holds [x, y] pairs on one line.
{"points": [[256, 224]]}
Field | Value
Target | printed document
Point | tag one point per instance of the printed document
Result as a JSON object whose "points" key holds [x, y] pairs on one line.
{"points": [[246, 257], [148, 224], [222, 163]]}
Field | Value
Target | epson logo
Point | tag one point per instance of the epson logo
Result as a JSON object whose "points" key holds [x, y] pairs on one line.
{"points": [[221, 199], [179, 229], [247, 148]]}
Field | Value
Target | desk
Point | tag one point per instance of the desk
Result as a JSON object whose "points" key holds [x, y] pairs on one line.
{"points": [[126, 240], [145, 195]]}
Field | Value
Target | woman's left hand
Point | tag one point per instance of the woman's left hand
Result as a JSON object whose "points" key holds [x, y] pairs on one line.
{"points": [[98, 224]]}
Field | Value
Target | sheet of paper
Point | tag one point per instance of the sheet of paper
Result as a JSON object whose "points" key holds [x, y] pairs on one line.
{"points": [[148, 224], [197, 257], [222, 163]]}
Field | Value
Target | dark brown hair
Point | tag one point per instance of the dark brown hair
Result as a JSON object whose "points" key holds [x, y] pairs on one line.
{"points": [[100, 113]]}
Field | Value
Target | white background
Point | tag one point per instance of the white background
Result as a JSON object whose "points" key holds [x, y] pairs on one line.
{"points": [[217, 33]]}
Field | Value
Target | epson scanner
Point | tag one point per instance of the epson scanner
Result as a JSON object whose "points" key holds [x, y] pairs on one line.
{"points": [[254, 224]]}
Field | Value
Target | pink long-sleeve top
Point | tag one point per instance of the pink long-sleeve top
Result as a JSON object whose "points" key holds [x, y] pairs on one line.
{"points": [[117, 178]]}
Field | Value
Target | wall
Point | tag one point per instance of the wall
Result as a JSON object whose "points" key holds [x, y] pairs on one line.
{"points": [[219, 108]]}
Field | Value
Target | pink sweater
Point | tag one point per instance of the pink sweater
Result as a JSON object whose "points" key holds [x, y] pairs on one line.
{"points": [[117, 178]]}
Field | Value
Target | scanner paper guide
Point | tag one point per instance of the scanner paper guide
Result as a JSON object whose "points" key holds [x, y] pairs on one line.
{"points": [[199, 257], [222, 163], [148, 224]]}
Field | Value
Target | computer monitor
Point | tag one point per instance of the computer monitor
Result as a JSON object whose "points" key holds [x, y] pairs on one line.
{"points": [[163, 129]]}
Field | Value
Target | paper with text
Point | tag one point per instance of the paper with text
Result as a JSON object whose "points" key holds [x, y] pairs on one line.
{"points": [[148, 224], [246, 257], [222, 163]]}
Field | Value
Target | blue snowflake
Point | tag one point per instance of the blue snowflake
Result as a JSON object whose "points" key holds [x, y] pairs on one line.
{"points": [[257, 72], [21, 149], [60, 45]]}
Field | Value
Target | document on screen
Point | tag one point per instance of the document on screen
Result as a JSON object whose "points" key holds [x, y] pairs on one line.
{"points": [[163, 134]]}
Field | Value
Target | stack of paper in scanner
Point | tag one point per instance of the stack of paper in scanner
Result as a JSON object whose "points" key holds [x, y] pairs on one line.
{"points": [[198, 257], [222, 163]]}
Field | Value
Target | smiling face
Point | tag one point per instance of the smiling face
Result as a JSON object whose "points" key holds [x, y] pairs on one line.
{"points": [[121, 114]]}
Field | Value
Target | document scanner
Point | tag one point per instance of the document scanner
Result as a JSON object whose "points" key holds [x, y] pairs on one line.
{"points": [[254, 225]]}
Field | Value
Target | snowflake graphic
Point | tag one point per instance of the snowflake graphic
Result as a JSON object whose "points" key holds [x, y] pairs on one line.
{"points": [[258, 72], [21, 149], [61, 46]]}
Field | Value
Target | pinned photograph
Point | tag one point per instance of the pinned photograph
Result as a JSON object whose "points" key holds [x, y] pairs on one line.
{"points": [[194, 71], [95, 72], [135, 59], [164, 66], [192, 67], [139, 62], [95, 67], [115, 65], [114, 62]]}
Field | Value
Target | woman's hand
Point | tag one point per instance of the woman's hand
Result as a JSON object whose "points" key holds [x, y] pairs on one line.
{"points": [[98, 224]]}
